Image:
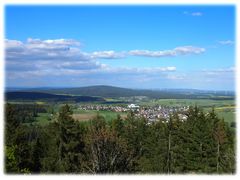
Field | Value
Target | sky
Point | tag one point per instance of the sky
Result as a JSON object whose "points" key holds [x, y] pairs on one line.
{"points": [[143, 47]]}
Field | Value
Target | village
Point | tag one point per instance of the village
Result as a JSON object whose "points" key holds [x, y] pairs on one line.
{"points": [[151, 113]]}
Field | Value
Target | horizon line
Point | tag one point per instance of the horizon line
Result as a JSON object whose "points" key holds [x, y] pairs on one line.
{"points": [[134, 88]]}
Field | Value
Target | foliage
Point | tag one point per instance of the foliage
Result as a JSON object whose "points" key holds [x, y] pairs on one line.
{"points": [[202, 143]]}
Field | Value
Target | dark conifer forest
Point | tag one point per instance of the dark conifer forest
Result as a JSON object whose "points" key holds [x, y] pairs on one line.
{"points": [[201, 144]]}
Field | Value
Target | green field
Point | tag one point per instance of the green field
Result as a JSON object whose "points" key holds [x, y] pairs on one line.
{"points": [[189, 102], [88, 114], [227, 116], [224, 108]]}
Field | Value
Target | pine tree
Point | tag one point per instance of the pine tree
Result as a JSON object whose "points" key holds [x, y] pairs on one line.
{"points": [[71, 144], [117, 125], [36, 156], [224, 147], [12, 124], [199, 142], [135, 134], [11, 165], [153, 159], [175, 127]]}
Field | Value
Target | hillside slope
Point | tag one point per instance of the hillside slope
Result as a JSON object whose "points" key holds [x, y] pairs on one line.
{"points": [[116, 92], [50, 97]]}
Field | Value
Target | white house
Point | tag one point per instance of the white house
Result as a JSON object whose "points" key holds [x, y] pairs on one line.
{"points": [[132, 106]]}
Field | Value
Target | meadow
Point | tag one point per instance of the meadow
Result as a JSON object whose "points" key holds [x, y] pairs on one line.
{"points": [[83, 115], [225, 109]]}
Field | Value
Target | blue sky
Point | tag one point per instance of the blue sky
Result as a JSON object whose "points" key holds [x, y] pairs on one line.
{"points": [[127, 46]]}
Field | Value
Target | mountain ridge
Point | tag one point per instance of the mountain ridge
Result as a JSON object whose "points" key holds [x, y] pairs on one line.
{"points": [[106, 91]]}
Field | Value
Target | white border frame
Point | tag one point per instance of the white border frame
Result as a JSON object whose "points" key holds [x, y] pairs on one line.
{"points": [[116, 2]]}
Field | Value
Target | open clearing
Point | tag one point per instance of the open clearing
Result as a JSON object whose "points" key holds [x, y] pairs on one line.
{"points": [[224, 108], [190, 102], [89, 114], [83, 117]]}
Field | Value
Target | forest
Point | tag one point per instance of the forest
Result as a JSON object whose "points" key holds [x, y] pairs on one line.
{"points": [[91, 92], [201, 144]]}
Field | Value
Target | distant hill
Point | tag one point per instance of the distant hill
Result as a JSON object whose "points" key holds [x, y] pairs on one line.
{"points": [[49, 97], [116, 92], [101, 91]]}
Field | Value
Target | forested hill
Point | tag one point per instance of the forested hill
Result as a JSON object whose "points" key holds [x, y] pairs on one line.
{"points": [[116, 92], [49, 97]]}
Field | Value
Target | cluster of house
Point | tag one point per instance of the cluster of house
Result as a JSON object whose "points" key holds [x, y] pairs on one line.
{"points": [[104, 108], [158, 112], [151, 113]]}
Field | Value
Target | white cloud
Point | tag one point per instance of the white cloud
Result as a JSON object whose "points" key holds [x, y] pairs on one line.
{"points": [[134, 70], [148, 53], [107, 55], [41, 60], [13, 46], [75, 69], [56, 42], [189, 50], [182, 50], [36, 49], [47, 57], [69, 50], [226, 42], [193, 13], [59, 57], [12, 43], [176, 76], [220, 70]]}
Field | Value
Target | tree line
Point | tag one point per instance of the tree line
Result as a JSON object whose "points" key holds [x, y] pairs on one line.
{"points": [[202, 143]]}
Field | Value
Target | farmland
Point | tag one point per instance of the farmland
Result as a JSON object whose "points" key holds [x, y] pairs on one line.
{"points": [[121, 122], [86, 115], [112, 97], [224, 108]]}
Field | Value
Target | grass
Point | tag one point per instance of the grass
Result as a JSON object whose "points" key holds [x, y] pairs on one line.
{"points": [[224, 108], [83, 115], [190, 102], [227, 116], [108, 115]]}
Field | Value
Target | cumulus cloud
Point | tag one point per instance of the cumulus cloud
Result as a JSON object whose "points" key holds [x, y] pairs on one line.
{"points": [[37, 57], [36, 49], [69, 50], [62, 60], [182, 50], [107, 55], [58, 57], [189, 50], [148, 53], [226, 42], [135, 70], [64, 57], [13, 46], [58, 42]]}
